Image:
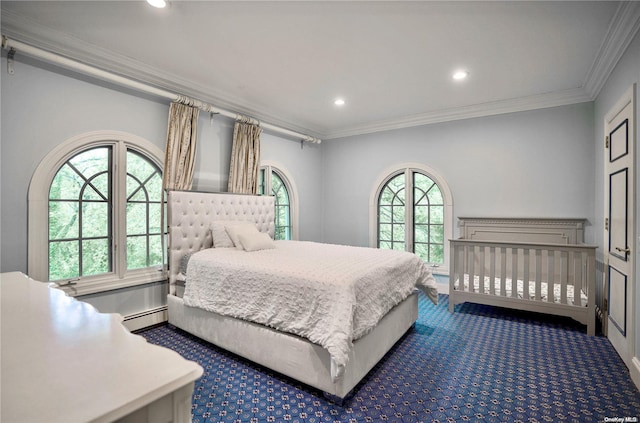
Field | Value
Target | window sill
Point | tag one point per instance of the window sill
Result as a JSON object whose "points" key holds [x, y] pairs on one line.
{"points": [[110, 282]]}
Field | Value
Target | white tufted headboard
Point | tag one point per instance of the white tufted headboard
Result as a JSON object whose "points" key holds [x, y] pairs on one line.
{"points": [[191, 213]]}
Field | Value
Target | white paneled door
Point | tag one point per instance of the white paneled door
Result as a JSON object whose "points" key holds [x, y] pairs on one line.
{"points": [[619, 215]]}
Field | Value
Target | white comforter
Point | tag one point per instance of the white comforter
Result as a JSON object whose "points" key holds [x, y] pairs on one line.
{"points": [[329, 294]]}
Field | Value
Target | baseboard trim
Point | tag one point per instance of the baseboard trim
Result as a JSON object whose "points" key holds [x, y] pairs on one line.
{"points": [[635, 371], [137, 321]]}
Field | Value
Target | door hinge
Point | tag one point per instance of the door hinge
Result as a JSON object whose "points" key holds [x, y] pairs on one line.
{"points": [[606, 223], [606, 141], [605, 305]]}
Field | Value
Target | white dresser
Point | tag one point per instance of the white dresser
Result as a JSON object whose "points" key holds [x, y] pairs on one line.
{"points": [[63, 361]]}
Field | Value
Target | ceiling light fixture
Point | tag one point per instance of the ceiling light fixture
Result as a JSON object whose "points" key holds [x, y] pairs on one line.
{"points": [[339, 102], [157, 3], [459, 75]]}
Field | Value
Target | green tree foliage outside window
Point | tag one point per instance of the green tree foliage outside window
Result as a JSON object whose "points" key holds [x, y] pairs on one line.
{"points": [[144, 204], [282, 203], [81, 207], [424, 220], [283, 207], [391, 215], [428, 219]]}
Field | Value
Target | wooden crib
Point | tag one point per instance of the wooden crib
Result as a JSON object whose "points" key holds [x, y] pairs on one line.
{"points": [[539, 265]]}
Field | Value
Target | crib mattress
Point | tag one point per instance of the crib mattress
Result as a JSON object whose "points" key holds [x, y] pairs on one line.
{"points": [[557, 289]]}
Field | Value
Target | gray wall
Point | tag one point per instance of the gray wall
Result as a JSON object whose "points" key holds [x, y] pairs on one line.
{"points": [[537, 163]]}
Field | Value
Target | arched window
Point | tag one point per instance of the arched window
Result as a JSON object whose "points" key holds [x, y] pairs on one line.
{"points": [[95, 206], [274, 180], [412, 211]]}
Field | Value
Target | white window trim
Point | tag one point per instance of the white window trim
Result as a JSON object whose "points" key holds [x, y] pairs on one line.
{"points": [[38, 212], [407, 168], [292, 190]]}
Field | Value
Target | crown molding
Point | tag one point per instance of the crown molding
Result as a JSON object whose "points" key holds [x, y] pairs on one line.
{"points": [[622, 29], [541, 101]]}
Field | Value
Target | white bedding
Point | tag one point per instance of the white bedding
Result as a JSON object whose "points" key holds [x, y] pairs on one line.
{"points": [[520, 287], [329, 294]]}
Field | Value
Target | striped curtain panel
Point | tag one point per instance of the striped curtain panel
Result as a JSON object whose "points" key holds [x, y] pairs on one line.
{"points": [[180, 151], [245, 158]]}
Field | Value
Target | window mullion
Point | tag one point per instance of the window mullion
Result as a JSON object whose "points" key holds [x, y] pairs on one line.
{"points": [[409, 226], [119, 207], [267, 181]]}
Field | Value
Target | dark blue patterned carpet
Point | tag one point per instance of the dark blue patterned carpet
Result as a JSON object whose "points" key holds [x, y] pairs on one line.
{"points": [[480, 364]]}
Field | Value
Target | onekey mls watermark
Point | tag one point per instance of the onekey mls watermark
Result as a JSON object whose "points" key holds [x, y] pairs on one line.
{"points": [[627, 419]]}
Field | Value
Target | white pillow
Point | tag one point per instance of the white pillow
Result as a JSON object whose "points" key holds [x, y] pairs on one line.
{"points": [[234, 232], [255, 242], [219, 232]]}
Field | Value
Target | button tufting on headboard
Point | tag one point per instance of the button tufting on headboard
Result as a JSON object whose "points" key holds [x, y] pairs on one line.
{"points": [[190, 215]]}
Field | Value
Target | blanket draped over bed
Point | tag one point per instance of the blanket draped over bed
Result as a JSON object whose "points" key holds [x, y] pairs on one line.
{"points": [[329, 294]]}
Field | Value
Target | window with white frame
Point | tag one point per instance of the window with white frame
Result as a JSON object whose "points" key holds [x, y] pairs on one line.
{"points": [[413, 212], [96, 208], [274, 180]]}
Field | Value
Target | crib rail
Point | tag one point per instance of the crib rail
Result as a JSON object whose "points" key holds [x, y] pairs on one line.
{"points": [[524, 271]]}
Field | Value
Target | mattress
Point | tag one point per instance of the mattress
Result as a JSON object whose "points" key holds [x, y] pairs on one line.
{"points": [[557, 289], [329, 294]]}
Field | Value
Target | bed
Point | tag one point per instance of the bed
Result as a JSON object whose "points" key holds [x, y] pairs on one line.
{"points": [[268, 318], [539, 265]]}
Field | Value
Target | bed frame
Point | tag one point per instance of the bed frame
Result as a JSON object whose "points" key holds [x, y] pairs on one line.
{"points": [[544, 252], [190, 215]]}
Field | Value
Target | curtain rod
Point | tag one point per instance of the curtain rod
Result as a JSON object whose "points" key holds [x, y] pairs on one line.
{"points": [[13, 45]]}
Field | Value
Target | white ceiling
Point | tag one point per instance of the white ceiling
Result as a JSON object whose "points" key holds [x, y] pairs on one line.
{"points": [[285, 62]]}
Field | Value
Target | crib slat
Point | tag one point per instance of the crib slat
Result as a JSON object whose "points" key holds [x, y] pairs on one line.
{"points": [[577, 281], [538, 274], [459, 260], [514, 272], [564, 275], [503, 271], [482, 267], [472, 263], [492, 271], [462, 262], [525, 273], [589, 279], [551, 273]]}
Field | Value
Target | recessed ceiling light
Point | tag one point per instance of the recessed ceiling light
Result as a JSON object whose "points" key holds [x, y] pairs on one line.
{"points": [[157, 3], [339, 102], [459, 75]]}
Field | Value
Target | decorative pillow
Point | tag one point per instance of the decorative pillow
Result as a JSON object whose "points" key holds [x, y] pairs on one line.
{"points": [[208, 240], [255, 242], [219, 232], [235, 231]]}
